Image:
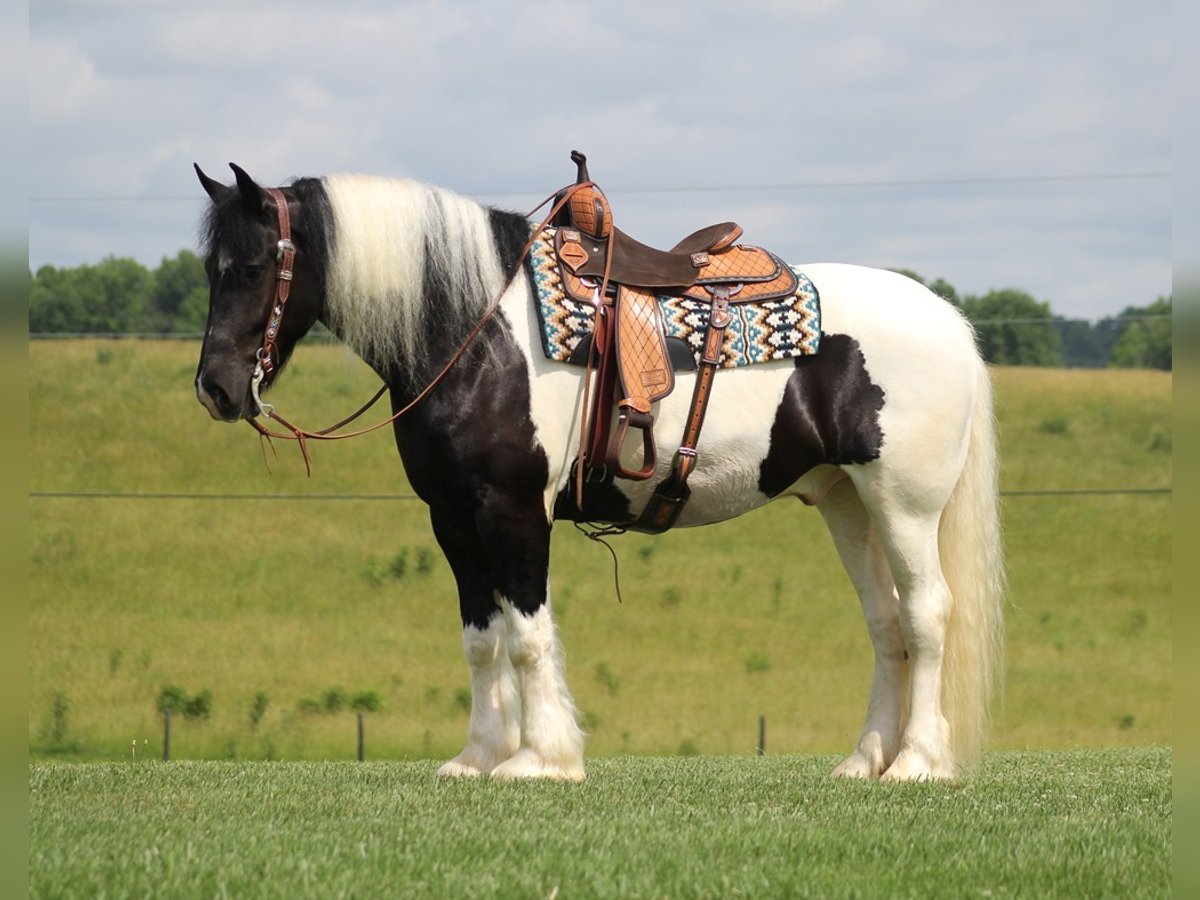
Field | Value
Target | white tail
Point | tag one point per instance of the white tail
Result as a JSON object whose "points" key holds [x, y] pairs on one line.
{"points": [[972, 555]]}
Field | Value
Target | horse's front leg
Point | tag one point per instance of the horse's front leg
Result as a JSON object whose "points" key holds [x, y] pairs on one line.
{"points": [[493, 734], [551, 740], [521, 706], [515, 532]]}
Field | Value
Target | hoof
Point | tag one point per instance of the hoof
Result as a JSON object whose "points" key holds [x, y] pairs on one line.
{"points": [[913, 766], [869, 760], [467, 765], [526, 764], [857, 765]]}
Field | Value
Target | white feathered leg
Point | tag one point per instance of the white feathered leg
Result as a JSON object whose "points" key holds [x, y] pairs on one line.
{"points": [[551, 740], [493, 734]]}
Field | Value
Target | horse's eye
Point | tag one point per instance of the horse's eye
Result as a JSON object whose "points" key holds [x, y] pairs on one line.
{"points": [[253, 272]]}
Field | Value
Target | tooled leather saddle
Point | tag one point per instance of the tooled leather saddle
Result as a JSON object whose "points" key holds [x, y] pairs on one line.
{"points": [[628, 352]]}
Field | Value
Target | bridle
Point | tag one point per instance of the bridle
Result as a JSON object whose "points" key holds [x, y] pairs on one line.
{"points": [[285, 259], [266, 358]]}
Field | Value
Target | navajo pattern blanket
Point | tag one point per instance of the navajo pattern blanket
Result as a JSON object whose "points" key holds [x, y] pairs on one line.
{"points": [[759, 332]]}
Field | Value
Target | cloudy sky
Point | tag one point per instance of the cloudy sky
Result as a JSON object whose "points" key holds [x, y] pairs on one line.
{"points": [[1022, 143]]}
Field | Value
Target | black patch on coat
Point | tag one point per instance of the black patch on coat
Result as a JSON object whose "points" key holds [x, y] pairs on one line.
{"points": [[829, 414], [602, 502]]}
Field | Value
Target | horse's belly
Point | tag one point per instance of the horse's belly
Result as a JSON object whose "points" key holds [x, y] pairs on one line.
{"points": [[734, 441]]}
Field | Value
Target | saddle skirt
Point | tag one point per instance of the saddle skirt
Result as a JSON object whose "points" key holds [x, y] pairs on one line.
{"points": [[760, 330]]}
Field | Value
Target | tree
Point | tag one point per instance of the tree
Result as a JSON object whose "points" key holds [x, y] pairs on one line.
{"points": [[110, 297], [180, 294], [946, 291], [939, 286], [1011, 329], [1084, 345], [1145, 340]]}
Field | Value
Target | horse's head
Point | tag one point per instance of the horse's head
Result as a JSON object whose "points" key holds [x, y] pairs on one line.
{"points": [[246, 257]]}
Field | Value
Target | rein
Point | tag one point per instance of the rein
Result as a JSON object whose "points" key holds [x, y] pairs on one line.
{"points": [[265, 364]]}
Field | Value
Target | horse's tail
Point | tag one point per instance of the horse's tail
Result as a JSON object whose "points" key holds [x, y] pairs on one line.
{"points": [[972, 554]]}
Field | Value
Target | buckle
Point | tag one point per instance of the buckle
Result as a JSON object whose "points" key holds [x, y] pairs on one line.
{"points": [[284, 246]]}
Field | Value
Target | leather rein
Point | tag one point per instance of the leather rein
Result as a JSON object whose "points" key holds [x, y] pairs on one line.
{"points": [[266, 359]]}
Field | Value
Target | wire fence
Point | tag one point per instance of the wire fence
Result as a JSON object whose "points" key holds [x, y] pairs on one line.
{"points": [[325, 498]]}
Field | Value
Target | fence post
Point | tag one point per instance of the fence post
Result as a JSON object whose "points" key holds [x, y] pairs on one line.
{"points": [[166, 735], [361, 743], [762, 735]]}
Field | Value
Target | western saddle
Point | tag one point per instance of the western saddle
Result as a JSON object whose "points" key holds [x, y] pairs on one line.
{"points": [[622, 277]]}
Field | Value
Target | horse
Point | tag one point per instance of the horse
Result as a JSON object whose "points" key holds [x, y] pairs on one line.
{"points": [[888, 431]]}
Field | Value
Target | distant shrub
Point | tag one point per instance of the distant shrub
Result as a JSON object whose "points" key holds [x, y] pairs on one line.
{"points": [[366, 701], [607, 678], [1055, 425], [688, 747], [199, 706], [175, 700], [1160, 442], [336, 699], [172, 698], [462, 699], [258, 708], [60, 705], [756, 663], [333, 700], [425, 561]]}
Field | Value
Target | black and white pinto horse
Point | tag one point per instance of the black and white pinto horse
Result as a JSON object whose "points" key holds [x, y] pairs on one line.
{"points": [[888, 431]]}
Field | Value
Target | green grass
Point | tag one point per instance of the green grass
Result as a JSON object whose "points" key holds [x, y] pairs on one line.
{"points": [[1032, 824], [719, 625]]}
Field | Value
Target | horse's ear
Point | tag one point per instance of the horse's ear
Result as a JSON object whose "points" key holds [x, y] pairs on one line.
{"points": [[253, 196], [211, 186]]}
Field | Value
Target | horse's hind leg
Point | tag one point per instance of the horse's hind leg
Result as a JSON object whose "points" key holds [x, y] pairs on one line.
{"points": [[863, 557], [911, 543]]}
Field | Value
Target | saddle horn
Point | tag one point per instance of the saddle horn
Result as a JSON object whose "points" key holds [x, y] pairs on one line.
{"points": [[581, 161]]}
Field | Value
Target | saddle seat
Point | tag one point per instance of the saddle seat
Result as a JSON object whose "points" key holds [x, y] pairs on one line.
{"points": [[592, 250], [641, 265]]}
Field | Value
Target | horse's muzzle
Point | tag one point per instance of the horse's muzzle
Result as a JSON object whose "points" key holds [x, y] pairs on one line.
{"points": [[217, 400]]}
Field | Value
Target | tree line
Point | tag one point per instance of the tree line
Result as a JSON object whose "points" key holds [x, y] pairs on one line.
{"points": [[121, 296]]}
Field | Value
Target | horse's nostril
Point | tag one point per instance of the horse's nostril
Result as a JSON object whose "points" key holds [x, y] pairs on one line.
{"points": [[218, 394], [214, 398]]}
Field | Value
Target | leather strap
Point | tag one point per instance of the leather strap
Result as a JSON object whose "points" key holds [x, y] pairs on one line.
{"points": [[645, 376], [285, 258], [671, 495]]}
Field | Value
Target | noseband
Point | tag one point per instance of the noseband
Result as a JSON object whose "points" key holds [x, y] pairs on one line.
{"points": [[285, 258]]}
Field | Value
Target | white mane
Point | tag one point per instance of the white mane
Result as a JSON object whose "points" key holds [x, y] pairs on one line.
{"points": [[396, 242]]}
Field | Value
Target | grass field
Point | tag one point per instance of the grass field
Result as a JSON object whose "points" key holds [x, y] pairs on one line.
{"points": [[283, 603], [1032, 824]]}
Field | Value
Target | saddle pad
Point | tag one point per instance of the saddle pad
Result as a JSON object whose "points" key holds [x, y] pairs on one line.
{"points": [[759, 332]]}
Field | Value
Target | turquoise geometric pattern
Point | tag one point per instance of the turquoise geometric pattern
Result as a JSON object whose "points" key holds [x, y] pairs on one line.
{"points": [[759, 332]]}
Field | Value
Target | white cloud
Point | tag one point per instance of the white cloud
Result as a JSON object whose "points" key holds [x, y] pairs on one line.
{"points": [[490, 97]]}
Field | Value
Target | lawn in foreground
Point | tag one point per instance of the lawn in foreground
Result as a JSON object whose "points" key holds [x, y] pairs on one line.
{"points": [[1067, 823]]}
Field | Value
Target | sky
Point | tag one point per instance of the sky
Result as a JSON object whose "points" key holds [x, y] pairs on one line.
{"points": [[1025, 143]]}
